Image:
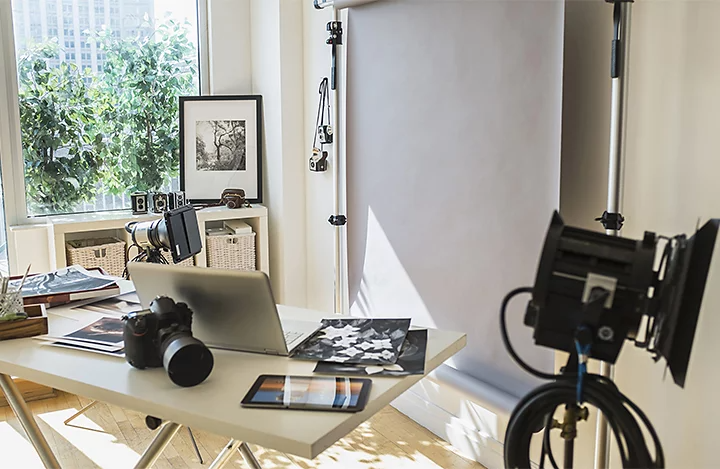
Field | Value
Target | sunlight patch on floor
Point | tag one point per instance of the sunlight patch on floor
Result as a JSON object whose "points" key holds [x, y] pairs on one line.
{"points": [[100, 447], [16, 450]]}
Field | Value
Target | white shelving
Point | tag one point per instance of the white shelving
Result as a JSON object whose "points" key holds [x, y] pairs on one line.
{"points": [[59, 229]]}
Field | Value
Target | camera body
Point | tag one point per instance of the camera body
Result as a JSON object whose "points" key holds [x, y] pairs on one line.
{"points": [[158, 202], [162, 336], [176, 199], [139, 202], [233, 198], [325, 134], [318, 160]]}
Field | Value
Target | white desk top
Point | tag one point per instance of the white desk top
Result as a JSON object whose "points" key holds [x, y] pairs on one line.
{"points": [[214, 405]]}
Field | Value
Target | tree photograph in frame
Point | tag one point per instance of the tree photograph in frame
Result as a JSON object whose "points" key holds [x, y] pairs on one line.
{"points": [[221, 146]]}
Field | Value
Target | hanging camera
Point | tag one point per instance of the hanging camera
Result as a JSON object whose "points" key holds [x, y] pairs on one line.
{"points": [[318, 160], [324, 133]]}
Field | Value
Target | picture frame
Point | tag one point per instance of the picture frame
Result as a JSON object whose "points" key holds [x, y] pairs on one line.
{"points": [[220, 147]]}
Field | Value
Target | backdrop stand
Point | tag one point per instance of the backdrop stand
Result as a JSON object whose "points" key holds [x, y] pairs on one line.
{"points": [[612, 219]]}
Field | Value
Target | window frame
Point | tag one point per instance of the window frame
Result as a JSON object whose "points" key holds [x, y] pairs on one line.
{"points": [[11, 159]]}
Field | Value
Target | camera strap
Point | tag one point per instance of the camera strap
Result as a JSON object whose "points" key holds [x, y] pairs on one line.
{"points": [[322, 106]]}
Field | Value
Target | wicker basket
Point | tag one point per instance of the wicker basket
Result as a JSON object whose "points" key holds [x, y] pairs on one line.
{"points": [[107, 253], [186, 263], [231, 251]]}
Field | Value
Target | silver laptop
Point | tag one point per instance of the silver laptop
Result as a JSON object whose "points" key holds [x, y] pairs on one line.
{"points": [[232, 309]]}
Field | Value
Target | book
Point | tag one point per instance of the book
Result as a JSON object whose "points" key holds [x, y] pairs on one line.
{"points": [[65, 285]]}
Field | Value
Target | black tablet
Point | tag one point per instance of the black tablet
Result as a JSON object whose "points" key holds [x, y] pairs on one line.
{"points": [[308, 393]]}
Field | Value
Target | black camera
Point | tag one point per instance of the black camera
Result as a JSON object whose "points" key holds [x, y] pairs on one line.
{"points": [[139, 203], [158, 202], [162, 336], [325, 134], [318, 160], [176, 199]]}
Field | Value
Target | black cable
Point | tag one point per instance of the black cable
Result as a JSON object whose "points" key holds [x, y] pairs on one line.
{"points": [[538, 406]]}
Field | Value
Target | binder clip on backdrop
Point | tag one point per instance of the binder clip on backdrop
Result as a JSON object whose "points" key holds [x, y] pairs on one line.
{"points": [[323, 130]]}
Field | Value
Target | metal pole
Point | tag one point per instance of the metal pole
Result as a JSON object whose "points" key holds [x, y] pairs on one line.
{"points": [[249, 457], [25, 416], [339, 288], [225, 454], [166, 433], [618, 130]]}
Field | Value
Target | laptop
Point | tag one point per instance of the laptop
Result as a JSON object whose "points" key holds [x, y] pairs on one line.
{"points": [[233, 309]]}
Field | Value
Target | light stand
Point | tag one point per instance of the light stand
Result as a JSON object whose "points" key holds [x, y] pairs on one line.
{"points": [[338, 220], [612, 219]]}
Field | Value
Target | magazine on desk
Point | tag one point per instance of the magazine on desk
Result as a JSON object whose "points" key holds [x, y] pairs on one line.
{"points": [[65, 285]]}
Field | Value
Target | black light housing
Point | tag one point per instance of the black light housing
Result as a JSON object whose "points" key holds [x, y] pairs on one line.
{"points": [[607, 285]]}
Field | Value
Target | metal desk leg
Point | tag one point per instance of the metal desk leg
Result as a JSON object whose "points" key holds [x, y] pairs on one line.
{"points": [[159, 443], [249, 457], [22, 412], [229, 449]]}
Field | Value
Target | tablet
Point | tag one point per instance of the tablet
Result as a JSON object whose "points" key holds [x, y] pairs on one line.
{"points": [[308, 393]]}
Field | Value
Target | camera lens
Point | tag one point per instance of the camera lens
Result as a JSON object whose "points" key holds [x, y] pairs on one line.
{"points": [[188, 361]]}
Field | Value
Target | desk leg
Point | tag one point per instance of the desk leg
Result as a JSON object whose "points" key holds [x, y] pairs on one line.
{"points": [[25, 416], [158, 445], [229, 449]]}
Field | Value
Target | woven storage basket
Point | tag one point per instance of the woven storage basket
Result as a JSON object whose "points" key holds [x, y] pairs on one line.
{"points": [[231, 251], [107, 253], [186, 263]]}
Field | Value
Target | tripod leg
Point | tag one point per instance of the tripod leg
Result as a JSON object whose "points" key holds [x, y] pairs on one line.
{"points": [[197, 450]]}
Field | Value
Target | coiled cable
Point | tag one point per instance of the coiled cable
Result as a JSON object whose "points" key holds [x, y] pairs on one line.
{"points": [[536, 409]]}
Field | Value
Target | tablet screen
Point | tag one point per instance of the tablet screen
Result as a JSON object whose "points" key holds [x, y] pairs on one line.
{"points": [[308, 392]]}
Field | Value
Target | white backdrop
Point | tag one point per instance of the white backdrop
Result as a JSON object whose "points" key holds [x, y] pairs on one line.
{"points": [[453, 163]]}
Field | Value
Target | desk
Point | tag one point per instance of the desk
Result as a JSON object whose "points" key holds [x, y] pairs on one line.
{"points": [[213, 405]]}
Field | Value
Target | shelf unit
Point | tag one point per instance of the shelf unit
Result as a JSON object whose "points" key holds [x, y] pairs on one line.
{"points": [[62, 228]]}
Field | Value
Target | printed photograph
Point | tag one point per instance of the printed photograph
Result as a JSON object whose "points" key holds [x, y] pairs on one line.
{"points": [[104, 330], [68, 280], [117, 305], [220, 145], [359, 341], [410, 362]]}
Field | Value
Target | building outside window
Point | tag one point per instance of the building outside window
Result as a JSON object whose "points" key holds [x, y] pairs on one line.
{"points": [[94, 128]]}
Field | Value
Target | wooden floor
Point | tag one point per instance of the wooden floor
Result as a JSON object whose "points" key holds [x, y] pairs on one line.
{"points": [[116, 437]]}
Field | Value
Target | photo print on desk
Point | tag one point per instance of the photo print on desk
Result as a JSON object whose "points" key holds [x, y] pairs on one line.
{"points": [[355, 340], [67, 280], [411, 361]]}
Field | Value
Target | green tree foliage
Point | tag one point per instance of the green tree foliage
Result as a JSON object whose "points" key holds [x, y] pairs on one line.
{"points": [[61, 142], [117, 131], [139, 92]]}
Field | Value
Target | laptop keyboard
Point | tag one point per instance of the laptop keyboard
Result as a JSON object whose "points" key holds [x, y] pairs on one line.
{"points": [[292, 336]]}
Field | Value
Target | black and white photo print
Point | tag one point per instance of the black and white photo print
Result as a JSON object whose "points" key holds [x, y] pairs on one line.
{"points": [[410, 362], [353, 340], [220, 145]]}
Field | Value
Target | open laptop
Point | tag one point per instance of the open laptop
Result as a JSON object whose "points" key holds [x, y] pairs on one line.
{"points": [[232, 309]]}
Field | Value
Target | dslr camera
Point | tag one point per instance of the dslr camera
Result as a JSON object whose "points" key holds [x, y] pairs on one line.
{"points": [[162, 336]]}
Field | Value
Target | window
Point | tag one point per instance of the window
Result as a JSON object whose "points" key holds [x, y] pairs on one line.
{"points": [[122, 133]]}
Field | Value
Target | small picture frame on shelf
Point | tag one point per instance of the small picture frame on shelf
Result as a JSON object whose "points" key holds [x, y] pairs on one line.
{"points": [[220, 146]]}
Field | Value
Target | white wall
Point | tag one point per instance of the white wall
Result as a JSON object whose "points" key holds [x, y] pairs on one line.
{"points": [[670, 183], [277, 74]]}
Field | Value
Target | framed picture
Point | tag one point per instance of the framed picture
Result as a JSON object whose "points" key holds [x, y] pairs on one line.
{"points": [[220, 147]]}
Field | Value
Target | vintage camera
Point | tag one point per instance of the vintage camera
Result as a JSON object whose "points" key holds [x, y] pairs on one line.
{"points": [[158, 202], [233, 198], [325, 134], [176, 200], [162, 336], [139, 202], [318, 160]]}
